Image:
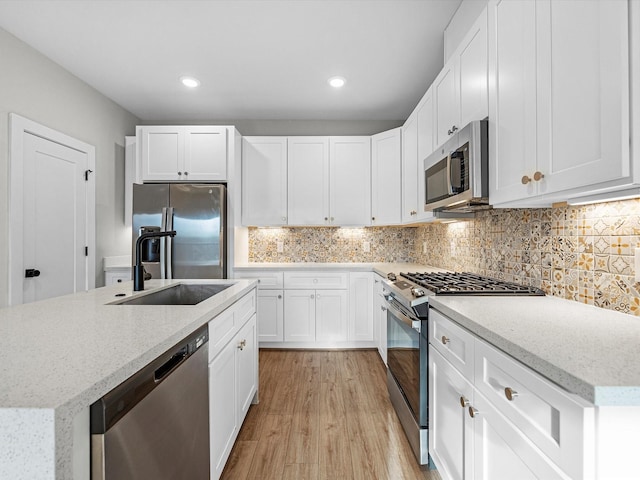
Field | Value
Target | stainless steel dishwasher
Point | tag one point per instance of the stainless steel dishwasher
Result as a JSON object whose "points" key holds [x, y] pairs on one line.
{"points": [[155, 425]]}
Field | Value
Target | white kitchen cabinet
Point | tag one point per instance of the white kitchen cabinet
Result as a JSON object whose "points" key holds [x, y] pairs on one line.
{"points": [[460, 89], [117, 276], [270, 303], [410, 166], [308, 181], [264, 181], [380, 316], [233, 376], [300, 315], [451, 428], [386, 178], [559, 100], [424, 113], [350, 181], [331, 315], [492, 417], [361, 313], [183, 153]]}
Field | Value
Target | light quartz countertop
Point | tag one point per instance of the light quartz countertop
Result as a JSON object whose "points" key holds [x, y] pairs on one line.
{"points": [[60, 355]]}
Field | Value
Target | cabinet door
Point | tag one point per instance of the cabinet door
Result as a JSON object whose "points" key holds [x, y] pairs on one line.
{"points": [[410, 165], [450, 427], [223, 404], [308, 180], [246, 366], [386, 178], [502, 451], [583, 93], [350, 184], [299, 315], [512, 99], [446, 107], [471, 72], [331, 315], [270, 316], [361, 314], [205, 154], [162, 151], [264, 181], [424, 114]]}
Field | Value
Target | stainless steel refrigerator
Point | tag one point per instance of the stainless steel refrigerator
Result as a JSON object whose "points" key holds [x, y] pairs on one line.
{"points": [[197, 214]]}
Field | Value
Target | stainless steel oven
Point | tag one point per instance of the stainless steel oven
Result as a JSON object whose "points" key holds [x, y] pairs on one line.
{"points": [[407, 375]]}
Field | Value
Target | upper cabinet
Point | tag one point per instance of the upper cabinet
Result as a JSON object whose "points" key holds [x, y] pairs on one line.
{"points": [[386, 178], [183, 153], [308, 181], [460, 90], [559, 123], [264, 181], [350, 180]]}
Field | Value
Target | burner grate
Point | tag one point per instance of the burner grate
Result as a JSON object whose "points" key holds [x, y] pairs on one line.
{"points": [[468, 284]]}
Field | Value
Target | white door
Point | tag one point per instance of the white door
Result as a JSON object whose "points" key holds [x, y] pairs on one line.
{"points": [[350, 184], [300, 316], [409, 168], [270, 316], [51, 226], [386, 178], [331, 315]]}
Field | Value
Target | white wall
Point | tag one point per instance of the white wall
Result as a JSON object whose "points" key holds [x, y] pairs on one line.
{"points": [[33, 86], [467, 13]]}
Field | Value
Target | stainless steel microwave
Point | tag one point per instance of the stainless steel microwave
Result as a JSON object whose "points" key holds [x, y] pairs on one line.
{"points": [[455, 175]]}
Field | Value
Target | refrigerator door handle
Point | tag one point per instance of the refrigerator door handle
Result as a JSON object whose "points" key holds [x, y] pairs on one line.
{"points": [[169, 246], [163, 228]]}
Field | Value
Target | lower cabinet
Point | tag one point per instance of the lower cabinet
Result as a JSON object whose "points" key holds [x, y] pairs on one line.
{"points": [[380, 316], [233, 382], [495, 418], [315, 308]]}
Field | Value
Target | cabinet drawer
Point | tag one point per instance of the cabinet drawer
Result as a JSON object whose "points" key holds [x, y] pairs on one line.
{"points": [[266, 279], [453, 342], [551, 418], [223, 327], [316, 280]]}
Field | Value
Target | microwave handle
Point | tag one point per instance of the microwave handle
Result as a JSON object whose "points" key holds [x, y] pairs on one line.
{"points": [[449, 185]]}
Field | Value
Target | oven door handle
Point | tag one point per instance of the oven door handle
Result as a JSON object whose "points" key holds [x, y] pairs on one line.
{"points": [[415, 324]]}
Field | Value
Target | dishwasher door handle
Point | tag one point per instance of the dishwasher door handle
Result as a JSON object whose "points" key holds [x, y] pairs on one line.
{"points": [[170, 364]]}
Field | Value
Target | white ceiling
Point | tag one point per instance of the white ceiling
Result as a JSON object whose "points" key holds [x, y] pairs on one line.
{"points": [[256, 59]]}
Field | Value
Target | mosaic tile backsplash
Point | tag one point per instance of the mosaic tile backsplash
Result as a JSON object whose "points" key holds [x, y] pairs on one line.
{"points": [[582, 253]]}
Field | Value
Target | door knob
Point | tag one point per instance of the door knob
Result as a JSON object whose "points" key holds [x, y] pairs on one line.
{"points": [[31, 272], [525, 179], [538, 176]]}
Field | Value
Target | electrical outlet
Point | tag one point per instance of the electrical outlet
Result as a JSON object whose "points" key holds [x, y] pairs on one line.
{"points": [[279, 247], [424, 247], [366, 247]]}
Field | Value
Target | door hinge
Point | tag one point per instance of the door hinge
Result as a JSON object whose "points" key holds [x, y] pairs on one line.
{"points": [[86, 175], [86, 251]]}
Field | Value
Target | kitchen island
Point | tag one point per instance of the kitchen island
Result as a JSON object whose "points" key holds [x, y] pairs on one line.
{"points": [[60, 355]]}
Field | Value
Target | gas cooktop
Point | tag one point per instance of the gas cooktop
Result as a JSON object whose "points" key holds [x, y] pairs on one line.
{"points": [[468, 284]]}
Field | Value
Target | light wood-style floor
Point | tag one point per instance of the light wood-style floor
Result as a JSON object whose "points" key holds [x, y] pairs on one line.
{"points": [[323, 415]]}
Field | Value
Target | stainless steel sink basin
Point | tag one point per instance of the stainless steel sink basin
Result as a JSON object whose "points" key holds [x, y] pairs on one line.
{"points": [[181, 294]]}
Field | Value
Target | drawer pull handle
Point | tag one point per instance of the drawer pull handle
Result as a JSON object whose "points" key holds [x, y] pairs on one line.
{"points": [[445, 340], [510, 394], [463, 401], [473, 412]]}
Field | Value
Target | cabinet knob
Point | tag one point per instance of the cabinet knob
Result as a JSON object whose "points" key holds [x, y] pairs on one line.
{"points": [[445, 340], [313, 296], [317, 296], [279, 296], [538, 176], [473, 412], [186, 173], [242, 344], [332, 219], [326, 219], [180, 173], [525, 179], [510, 393], [383, 308], [463, 401], [373, 219], [284, 219]]}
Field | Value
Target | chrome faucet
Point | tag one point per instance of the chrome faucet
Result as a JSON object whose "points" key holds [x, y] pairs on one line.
{"points": [[138, 269]]}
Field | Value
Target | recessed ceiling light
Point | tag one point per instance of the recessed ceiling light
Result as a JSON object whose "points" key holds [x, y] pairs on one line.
{"points": [[190, 82], [337, 82]]}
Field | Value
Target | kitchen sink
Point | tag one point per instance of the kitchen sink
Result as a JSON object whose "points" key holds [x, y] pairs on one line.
{"points": [[181, 294]]}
